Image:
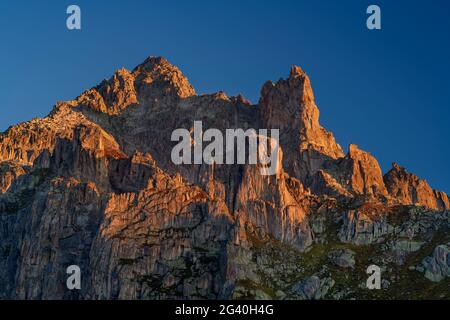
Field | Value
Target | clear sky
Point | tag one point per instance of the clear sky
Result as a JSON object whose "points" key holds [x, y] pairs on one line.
{"points": [[387, 91]]}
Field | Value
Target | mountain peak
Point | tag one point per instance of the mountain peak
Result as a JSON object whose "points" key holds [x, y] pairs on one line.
{"points": [[289, 106], [396, 167], [157, 76], [154, 62], [296, 71], [352, 149], [408, 188]]}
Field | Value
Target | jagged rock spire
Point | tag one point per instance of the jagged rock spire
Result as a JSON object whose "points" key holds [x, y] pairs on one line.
{"points": [[289, 106]]}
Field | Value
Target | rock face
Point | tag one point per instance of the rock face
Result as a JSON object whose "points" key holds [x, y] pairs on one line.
{"points": [[9, 171], [437, 266], [111, 96], [312, 288], [93, 185], [358, 173], [365, 225], [407, 188], [343, 258]]}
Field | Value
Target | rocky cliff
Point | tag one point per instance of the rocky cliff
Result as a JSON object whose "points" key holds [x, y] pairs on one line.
{"points": [[93, 184]]}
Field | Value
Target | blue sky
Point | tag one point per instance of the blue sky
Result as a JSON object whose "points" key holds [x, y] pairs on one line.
{"points": [[387, 91]]}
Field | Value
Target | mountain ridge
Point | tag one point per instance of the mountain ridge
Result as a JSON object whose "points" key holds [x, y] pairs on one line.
{"points": [[119, 91], [93, 184]]}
